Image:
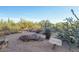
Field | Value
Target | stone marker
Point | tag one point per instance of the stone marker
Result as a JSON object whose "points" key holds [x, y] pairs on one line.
{"points": [[55, 41]]}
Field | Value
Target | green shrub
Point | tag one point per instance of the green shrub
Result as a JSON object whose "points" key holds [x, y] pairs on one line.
{"points": [[70, 33]]}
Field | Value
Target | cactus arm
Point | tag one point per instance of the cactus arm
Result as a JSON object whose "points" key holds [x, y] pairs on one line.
{"points": [[74, 14]]}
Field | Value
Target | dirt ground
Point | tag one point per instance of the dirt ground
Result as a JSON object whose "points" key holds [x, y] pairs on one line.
{"points": [[16, 45]]}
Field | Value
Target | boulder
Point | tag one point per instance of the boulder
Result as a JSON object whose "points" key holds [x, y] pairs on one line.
{"points": [[32, 36], [23, 38]]}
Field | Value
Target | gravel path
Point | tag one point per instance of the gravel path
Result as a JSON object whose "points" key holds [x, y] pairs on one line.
{"points": [[32, 46]]}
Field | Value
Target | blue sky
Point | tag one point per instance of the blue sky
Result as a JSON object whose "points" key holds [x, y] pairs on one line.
{"points": [[37, 13]]}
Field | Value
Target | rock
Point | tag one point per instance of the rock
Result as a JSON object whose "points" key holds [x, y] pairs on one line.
{"points": [[3, 44], [24, 38], [32, 36], [55, 41]]}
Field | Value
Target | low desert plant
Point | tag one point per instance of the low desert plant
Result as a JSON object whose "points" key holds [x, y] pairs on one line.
{"points": [[69, 33]]}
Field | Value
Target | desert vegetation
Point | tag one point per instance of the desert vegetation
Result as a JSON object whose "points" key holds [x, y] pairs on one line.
{"points": [[23, 25], [66, 31]]}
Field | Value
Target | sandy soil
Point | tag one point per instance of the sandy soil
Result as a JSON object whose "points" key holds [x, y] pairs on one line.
{"points": [[16, 45]]}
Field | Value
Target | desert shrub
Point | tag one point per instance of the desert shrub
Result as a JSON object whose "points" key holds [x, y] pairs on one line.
{"points": [[47, 33], [69, 33]]}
